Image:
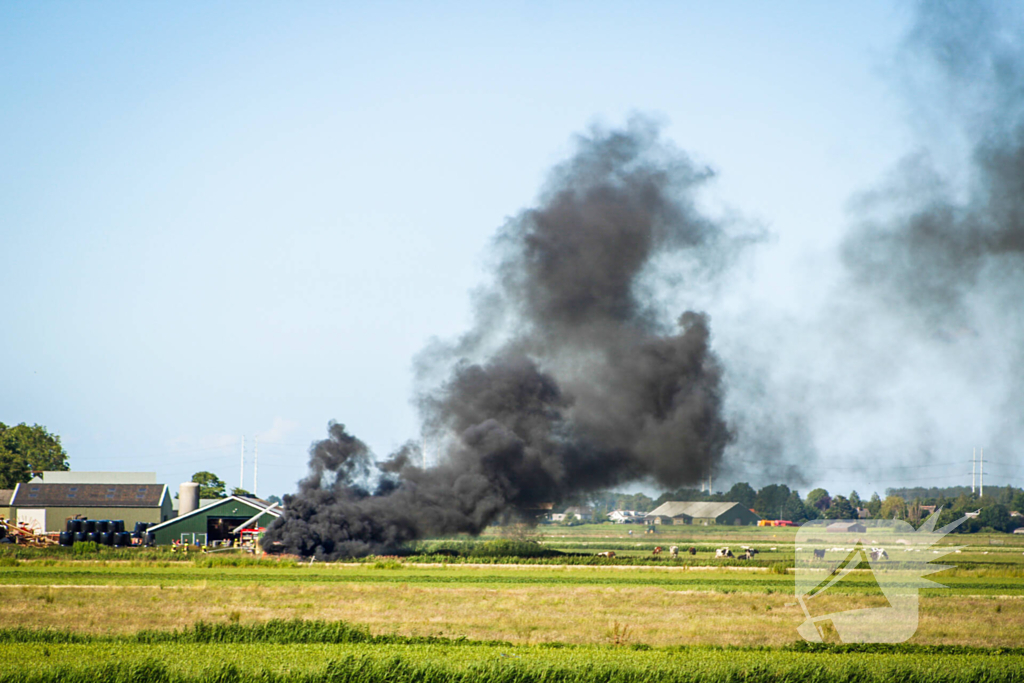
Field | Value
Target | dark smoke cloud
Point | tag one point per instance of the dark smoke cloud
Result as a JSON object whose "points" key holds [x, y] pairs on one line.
{"points": [[572, 381]]}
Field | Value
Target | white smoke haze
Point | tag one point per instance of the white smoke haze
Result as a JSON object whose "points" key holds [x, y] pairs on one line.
{"points": [[613, 347]]}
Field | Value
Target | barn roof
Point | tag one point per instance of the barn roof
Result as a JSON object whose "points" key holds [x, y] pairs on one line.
{"points": [[696, 509], [89, 495], [5, 496]]}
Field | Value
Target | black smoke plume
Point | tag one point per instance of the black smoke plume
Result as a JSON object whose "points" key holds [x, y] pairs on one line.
{"points": [[572, 381]]}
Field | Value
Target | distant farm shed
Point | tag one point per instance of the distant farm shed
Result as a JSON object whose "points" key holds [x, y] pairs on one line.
{"points": [[216, 521], [702, 513], [847, 527], [47, 507]]}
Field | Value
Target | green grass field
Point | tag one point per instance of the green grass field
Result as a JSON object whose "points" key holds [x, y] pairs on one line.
{"points": [[484, 616]]}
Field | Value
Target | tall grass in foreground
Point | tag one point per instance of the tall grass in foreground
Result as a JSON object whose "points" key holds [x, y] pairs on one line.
{"points": [[433, 668]]}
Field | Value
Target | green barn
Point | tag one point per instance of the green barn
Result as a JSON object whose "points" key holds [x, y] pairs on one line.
{"points": [[216, 521]]}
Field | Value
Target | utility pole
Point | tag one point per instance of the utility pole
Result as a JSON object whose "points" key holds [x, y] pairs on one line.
{"points": [[974, 462], [241, 466], [256, 465], [981, 473]]}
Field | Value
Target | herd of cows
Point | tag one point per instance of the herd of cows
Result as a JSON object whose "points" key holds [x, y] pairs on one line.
{"points": [[748, 553]]}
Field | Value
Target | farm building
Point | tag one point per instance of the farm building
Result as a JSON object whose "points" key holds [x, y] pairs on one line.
{"points": [[846, 527], [5, 502], [702, 513], [47, 507], [215, 521]]}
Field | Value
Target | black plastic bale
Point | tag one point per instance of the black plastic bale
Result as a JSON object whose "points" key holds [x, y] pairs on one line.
{"points": [[66, 538], [103, 526], [122, 539], [92, 536], [3, 531], [150, 538], [77, 525], [118, 526], [90, 527], [81, 537]]}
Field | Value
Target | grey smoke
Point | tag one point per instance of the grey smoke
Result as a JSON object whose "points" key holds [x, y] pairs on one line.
{"points": [[917, 353], [573, 381]]}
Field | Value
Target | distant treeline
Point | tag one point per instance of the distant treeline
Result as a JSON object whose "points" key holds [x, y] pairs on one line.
{"points": [[1006, 493], [1000, 509]]}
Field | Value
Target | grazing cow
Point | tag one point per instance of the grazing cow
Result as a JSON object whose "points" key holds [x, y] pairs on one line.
{"points": [[607, 553], [674, 552], [879, 554], [693, 551], [724, 552], [819, 553], [749, 554], [657, 551]]}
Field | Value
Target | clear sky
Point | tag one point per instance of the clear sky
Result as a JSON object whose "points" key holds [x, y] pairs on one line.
{"points": [[227, 219]]}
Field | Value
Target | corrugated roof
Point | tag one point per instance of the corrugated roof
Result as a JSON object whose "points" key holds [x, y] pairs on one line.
{"points": [[697, 509], [5, 496], [88, 495], [79, 477]]}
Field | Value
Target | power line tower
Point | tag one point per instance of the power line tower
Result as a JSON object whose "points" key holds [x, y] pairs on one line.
{"points": [[981, 473], [974, 463]]}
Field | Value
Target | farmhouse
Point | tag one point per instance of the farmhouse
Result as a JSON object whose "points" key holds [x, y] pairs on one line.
{"points": [[216, 521], [47, 507], [702, 513]]}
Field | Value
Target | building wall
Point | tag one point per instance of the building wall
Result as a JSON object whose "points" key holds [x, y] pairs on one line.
{"points": [[56, 518], [167, 507], [745, 516], [197, 523]]}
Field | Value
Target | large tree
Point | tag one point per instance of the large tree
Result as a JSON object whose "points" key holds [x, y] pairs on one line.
{"points": [[819, 498], [742, 493], [840, 509], [210, 485], [25, 450]]}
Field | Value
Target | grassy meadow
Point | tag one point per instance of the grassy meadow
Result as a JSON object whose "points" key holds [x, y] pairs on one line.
{"points": [[548, 617]]}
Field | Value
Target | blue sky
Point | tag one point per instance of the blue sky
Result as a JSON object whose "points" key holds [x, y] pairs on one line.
{"points": [[227, 219]]}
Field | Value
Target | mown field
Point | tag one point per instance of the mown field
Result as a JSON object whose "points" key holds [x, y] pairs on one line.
{"points": [[566, 616]]}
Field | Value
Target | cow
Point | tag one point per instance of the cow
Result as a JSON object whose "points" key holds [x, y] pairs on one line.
{"points": [[607, 553], [819, 553], [674, 552], [693, 551], [657, 551], [724, 552], [879, 554], [749, 554]]}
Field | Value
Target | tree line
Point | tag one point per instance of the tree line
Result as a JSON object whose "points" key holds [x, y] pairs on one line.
{"points": [[777, 501]]}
